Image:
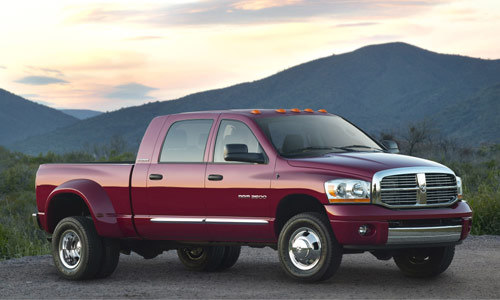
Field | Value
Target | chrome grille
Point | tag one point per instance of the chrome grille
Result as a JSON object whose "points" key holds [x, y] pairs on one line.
{"points": [[438, 179], [441, 195], [399, 197], [420, 188], [399, 181]]}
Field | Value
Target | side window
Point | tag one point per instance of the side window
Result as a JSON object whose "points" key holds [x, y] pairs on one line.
{"points": [[186, 141], [234, 132]]}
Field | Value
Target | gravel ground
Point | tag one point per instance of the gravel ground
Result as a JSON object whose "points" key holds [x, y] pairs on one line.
{"points": [[475, 273]]}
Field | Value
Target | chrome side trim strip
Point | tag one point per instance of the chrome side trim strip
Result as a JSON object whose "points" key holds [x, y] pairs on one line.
{"points": [[208, 220], [235, 221], [177, 220], [423, 235]]}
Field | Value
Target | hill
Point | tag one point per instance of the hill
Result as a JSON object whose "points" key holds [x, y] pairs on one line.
{"points": [[21, 118], [479, 116], [81, 114], [378, 87]]}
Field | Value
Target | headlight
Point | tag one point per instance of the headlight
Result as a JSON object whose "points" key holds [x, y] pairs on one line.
{"points": [[459, 188], [348, 191]]}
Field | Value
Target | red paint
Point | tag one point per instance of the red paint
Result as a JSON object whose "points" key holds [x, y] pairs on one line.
{"points": [[123, 200]]}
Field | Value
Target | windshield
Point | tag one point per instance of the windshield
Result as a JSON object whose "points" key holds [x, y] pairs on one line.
{"points": [[313, 135]]}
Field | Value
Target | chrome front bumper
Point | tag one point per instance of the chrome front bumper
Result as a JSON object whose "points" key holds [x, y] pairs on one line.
{"points": [[424, 235]]}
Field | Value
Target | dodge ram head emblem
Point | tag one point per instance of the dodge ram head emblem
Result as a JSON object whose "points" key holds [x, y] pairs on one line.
{"points": [[422, 187]]}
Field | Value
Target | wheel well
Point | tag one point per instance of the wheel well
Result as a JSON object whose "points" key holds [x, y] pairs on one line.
{"points": [[295, 204], [65, 205]]}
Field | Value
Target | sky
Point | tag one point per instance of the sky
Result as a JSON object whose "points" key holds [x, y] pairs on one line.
{"points": [[105, 55]]}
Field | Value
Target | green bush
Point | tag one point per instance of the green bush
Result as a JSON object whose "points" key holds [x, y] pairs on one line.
{"points": [[482, 191], [18, 234]]}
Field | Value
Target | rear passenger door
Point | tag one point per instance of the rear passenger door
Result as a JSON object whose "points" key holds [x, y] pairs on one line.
{"points": [[175, 183]]}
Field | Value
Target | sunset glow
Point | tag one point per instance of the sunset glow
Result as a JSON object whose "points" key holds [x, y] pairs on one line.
{"points": [[105, 55]]}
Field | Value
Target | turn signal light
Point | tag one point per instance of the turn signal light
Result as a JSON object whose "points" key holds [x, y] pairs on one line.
{"points": [[255, 112], [295, 110]]}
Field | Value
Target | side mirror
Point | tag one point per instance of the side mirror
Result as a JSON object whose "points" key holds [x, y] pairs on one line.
{"points": [[239, 152], [391, 146]]}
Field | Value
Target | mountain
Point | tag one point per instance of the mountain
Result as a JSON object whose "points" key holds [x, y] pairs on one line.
{"points": [[81, 114], [478, 116], [378, 87], [21, 118]]}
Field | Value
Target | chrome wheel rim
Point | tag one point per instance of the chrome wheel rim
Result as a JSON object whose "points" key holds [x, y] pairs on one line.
{"points": [[304, 248], [70, 249]]}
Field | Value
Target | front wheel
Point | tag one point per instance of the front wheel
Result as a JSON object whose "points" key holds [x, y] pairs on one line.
{"points": [[307, 248], [424, 262], [76, 248]]}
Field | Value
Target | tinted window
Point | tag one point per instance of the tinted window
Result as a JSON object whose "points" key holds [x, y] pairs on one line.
{"points": [[186, 141], [234, 132], [302, 136]]}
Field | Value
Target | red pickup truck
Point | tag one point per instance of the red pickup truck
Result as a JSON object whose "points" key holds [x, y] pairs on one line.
{"points": [[308, 184]]}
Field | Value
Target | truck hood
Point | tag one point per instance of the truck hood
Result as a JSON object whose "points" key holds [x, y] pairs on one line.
{"points": [[361, 164]]}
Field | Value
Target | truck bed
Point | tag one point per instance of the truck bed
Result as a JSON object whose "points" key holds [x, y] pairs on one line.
{"points": [[114, 178]]}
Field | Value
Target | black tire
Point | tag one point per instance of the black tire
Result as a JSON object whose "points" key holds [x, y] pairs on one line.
{"points": [[323, 255], [76, 248], [110, 257], [231, 255], [425, 262], [201, 258]]}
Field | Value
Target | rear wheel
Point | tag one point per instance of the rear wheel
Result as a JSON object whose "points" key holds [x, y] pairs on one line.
{"points": [[76, 248], [110, 257], [307, 248], [425, 262], [231, 255], [201, 258]]}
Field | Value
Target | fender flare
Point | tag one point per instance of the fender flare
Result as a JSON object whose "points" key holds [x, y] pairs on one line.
{"points": [[97, 200]]}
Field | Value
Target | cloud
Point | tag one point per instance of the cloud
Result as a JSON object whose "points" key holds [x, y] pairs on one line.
{"points": [[359, 24], [251, 11], [144, 38], [40, 80], [130, 91], [262, 4], [47, 71], [3, 67]]}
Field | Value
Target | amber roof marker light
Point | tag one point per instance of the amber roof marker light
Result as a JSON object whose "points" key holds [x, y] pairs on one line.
{"points": [[308, 110], [281, 110], [255, 112], [295, 110], [322, 110]]}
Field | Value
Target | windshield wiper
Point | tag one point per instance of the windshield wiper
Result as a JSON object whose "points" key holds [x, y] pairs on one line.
{"points": [[347, 148], [312, 148], [343, 148]]}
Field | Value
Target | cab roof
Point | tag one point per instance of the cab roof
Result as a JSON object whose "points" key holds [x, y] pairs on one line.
{"points": [[264, 112]]}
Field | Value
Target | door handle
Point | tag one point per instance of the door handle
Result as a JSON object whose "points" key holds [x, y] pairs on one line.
{"points": [[215, 177], [155, 176]]}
